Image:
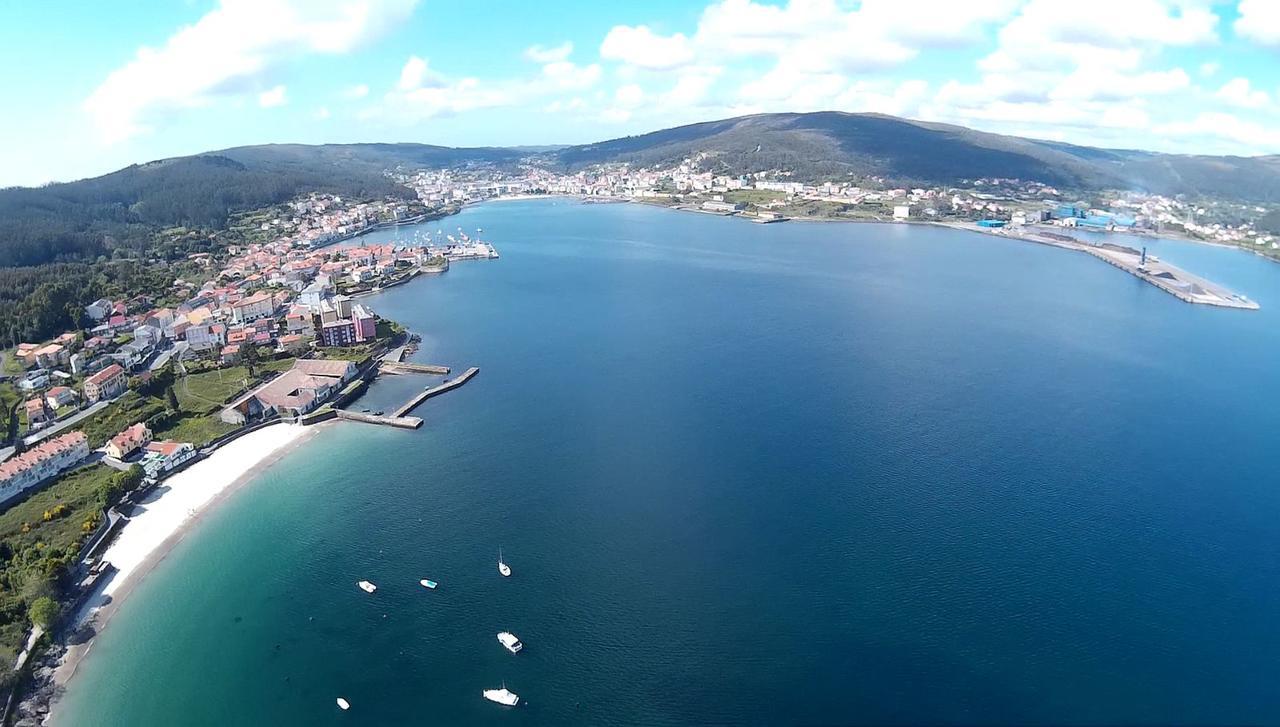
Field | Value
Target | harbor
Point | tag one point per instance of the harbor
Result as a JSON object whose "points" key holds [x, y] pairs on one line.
{"points": [[1184, 286], [400, 418], [436, 390]]}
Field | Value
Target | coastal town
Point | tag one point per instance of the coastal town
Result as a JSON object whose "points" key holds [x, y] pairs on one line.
{"points": [[270, 331], [776, 195]]}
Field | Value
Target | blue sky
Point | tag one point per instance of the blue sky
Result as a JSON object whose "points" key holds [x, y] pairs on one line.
{"points": [[93, 87]]}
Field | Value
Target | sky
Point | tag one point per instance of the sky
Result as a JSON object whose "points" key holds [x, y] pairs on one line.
{"points": [[93, 86]]}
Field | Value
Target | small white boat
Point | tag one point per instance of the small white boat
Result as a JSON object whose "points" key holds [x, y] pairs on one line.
{"points": [[343, 704], [503, 568], [509, 640], [502, 696], [367, 587], [428, 583]]}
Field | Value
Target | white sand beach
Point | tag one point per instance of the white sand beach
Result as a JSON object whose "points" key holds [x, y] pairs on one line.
{"points": [[187, 493], [165, 518]]}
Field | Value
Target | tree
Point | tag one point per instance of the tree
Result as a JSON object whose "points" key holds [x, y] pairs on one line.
{"points": [[172, 398], [43, 612], [118, 484], [249, 356], [13, 429]]}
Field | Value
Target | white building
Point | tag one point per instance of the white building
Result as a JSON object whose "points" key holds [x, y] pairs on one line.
{"points": [[258, 305], [901, 212], [38, 464]]}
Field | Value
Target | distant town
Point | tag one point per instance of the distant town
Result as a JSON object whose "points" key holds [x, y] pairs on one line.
{"points": [[769, 196]]}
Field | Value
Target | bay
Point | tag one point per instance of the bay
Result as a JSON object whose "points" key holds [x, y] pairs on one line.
{"points": [[753, 474]]}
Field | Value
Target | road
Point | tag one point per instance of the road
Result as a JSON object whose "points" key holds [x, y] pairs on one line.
{"points": [[58, 427]]}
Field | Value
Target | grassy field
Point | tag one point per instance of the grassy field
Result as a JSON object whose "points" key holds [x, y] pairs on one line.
{"points": [[201, 397], [126, 410], [9, 395], [27, 540], [12, 366], [758, 197], [199, 429], [77, 492], [207, 391]]}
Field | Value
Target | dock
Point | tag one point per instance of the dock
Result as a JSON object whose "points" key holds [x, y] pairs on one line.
{"points": [[408, 367], [449, 385], [401, 422], [1171, 279]]}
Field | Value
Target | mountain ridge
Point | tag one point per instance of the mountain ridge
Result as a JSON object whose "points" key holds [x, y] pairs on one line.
{"points": [[90, 217]]}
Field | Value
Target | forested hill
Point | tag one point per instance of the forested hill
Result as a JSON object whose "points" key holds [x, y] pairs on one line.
{"points": [[82, 220], [91, 217], [832, 144]]}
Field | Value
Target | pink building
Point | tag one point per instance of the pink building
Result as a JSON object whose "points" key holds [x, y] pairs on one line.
{"points": [[366, 326]]}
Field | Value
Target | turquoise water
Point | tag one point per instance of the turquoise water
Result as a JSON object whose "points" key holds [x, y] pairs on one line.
{"points": [[754, 474]]}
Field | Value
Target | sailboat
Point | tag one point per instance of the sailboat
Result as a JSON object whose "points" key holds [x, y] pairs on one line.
{"points": [[503, 568]]}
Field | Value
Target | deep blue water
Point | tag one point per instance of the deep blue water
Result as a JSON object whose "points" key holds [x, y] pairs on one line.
{"points": [[755, 474]]}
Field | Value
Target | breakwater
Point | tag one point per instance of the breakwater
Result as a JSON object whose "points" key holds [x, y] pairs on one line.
{"points": [[449, 385]]}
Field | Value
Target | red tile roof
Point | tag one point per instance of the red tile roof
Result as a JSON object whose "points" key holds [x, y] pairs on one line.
{"points": [[105, 375]]}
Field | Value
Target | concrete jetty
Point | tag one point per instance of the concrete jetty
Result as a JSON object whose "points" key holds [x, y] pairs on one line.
{"points": [[408, 367], [401, 422], [449, 385], [1173, 280], [1169, 278]]}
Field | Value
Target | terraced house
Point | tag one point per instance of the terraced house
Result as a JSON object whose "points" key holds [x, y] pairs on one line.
{"points": [[106, 384], [21, 473]]}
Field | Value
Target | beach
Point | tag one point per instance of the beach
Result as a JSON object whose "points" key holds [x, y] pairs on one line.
{"points": [[161, 521]]}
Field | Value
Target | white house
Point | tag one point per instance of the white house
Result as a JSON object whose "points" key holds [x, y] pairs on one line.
{"points": [[26, 470], [99, 309]]}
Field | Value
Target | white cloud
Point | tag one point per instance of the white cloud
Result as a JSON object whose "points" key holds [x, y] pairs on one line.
{"points": [[229, 50], [1038, 39], [1238, 92], [811, 36], [272, 97], [628, 96], [1087, 84], [626, 99], [1210, 68], [416, 74], [421, 93], [543, 54], [566, 75], [1259, 21], [1216, 126], [691, 89], [322, 113], [356, 92], [641, 47], [1093, 79]]}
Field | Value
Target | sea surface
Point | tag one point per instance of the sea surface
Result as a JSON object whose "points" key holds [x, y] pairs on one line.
{"points": [[798, 473]]}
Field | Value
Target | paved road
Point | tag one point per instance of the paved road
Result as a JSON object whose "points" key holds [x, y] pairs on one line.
{"points": [[60, 426]]}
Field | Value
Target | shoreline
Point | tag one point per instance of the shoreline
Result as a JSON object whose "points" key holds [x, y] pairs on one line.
{"points": [[148, 539]]}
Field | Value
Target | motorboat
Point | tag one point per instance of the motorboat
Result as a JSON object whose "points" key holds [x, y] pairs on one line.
{"points": [[427, 583], [509, 640], [367, 587], [502, 696], [343, 704]]}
